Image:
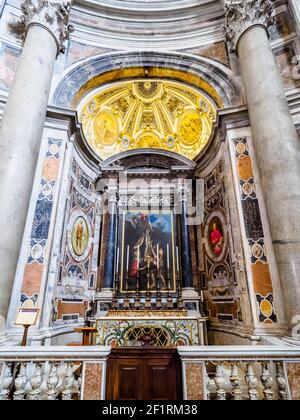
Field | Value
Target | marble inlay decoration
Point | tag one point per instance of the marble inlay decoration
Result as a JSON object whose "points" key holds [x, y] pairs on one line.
{"points": [[34, 267], [92, 381], [293, 373], [178, 332], [76, 279], [194, 381], [261, 274], [218, 275]]}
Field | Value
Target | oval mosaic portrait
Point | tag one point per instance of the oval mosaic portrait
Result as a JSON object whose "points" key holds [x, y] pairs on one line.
{"points": [[80, 236], [216, 237]]}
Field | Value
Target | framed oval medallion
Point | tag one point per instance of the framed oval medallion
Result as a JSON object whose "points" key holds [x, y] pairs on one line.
{"points": [[216, 237], [80, 236]]}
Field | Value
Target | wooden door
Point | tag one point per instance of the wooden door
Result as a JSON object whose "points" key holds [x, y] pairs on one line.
{"points": [[144, 374]]}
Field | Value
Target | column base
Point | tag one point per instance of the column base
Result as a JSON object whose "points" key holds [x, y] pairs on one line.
{"points": [[290, 341], [191, 300], [104, 301], [3, 338]]}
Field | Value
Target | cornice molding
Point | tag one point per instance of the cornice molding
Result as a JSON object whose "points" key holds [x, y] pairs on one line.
{"points": [[155, 25], [149, 6]]}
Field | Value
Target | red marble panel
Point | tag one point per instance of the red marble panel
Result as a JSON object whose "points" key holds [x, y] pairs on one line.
{"points": [[32, 278], [71, 308], [195, 381], [262, 278], [92, 381], [293, 373]]}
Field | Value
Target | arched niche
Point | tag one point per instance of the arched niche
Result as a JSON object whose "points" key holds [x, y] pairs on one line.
{"points": [[209, 76]]}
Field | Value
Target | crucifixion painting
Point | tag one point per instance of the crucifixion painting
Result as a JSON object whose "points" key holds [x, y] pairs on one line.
{"points": [[148, 251]]}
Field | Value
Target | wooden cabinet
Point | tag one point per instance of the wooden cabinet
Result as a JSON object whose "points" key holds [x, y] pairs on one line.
{"points": [[144, 374]]}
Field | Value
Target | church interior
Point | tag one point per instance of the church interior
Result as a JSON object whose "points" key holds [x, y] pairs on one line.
{"points": [[150, 206]]}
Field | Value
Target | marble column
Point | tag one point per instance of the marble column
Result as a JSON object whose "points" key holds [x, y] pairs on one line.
{"points": [[186, 255], [275, 138], [46, 26], [295, 6], [109, 265]]}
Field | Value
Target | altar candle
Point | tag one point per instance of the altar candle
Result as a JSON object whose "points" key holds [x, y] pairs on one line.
{"points": [[138, 258], [118, 254], [157, 255], [127, 264], [177, 259], [168, 257]]}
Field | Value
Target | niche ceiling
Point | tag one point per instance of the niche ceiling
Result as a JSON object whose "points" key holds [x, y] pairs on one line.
{"points": [[147, 113]]}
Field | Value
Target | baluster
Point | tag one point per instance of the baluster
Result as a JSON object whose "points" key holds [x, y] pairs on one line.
{"points": [[251, 382], [220, 382], [68, 382], [36, 382], [52, 381], [20, 383], [281, 382], [6, 381], [267, 382], [77, 388], [236, 383], [208, 386]]}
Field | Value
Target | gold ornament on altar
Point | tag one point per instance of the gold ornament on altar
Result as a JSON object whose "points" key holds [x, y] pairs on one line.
{"points": [[142, 114]]}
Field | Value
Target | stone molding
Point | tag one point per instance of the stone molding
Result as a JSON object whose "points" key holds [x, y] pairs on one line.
{"points": [[53, 16], [240, 16]]}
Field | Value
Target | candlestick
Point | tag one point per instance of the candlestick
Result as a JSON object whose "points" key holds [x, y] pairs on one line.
{"points": [[138, 258], [177, 259], [168, 257], [118, 254], [127, 263], [157, 257]]}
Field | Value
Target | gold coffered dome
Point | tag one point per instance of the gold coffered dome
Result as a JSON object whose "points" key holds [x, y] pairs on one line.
{"points": [[160, 114]]}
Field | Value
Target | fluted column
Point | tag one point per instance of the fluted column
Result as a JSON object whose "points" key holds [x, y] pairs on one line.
{"points": [[186, 255], [109, 265], [46, 25], [275, 138]]}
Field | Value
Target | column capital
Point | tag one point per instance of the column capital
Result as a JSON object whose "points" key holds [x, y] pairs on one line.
{"points": [[52, 15], [183, 190], [242, 15]]}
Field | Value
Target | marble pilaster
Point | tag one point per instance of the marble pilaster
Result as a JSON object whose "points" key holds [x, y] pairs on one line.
{"points": [[46, 25], [275, 138]]}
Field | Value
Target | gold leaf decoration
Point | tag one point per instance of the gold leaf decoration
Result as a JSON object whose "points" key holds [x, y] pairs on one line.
{"points": [[147, 113]]}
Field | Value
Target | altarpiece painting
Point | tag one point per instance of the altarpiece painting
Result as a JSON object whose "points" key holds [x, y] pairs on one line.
{"points": [[148, 251]]}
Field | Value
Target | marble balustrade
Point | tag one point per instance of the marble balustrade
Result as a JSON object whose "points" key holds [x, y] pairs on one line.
{"points": [[209, 373], [53, 373], [241, 372]]}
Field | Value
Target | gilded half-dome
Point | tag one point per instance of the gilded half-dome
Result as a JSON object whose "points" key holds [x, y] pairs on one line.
{"points": [[160, 114]]}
